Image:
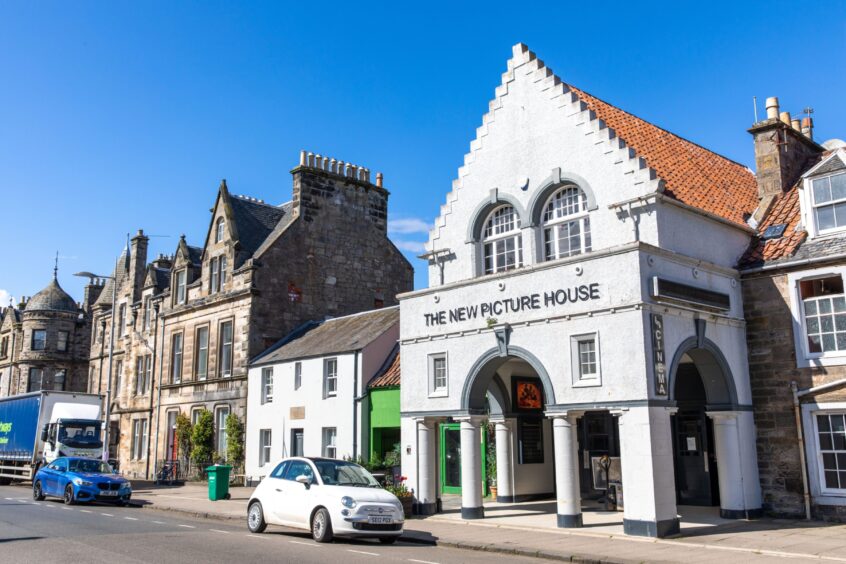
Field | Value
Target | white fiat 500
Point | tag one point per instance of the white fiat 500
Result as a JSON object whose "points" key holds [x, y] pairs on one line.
{"points": [[328, 497]]}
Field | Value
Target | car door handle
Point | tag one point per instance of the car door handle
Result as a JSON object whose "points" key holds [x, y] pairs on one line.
{"points": [[278, 490]]}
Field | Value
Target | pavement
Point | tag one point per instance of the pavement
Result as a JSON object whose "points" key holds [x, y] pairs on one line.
{"points": [[525, 534]]}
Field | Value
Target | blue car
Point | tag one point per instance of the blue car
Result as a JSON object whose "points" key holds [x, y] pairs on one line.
{"points": [[80, 479]]}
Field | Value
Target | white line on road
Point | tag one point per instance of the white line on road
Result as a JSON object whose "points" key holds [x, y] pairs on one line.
{"points": [[306, 544], [85, 511], [106, 514], [188, 526], [254, 536], [421, 561], [8, 499], [219, 531], [21, 500], [67, 508], [35, 503], [159, 522], [131, 518], [363, 552]]}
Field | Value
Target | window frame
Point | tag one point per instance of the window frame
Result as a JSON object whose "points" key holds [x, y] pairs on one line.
{"points": [[579, 379], [219, 229], [33, 340], [32, 370], [176, 364], [298, 375], [325, 445], [327, 392], [488, 237], [59, 341], [813, 453], [138, 439], [222, 370], [198, 349], [180, 286], [805, 358], [220, 430], [434, 391], [813, 206], [266, 384], [550, 227], [265, 447]]}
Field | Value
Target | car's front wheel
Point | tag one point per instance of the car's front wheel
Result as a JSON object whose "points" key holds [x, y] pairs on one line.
{"points": [[68, 497], [255, 518], [37, 492], [321, 526]]}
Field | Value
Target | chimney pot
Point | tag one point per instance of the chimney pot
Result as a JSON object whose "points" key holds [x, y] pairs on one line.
{"points": [[772, 107], [303, 158], [311, 160], [785, 118], [794, 123], [379, 179], [808, 127]]}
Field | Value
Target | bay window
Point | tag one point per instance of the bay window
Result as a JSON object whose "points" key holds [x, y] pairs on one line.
{"points": [[824, 314]]}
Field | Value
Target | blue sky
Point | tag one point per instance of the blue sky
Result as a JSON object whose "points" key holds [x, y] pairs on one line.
{"points": [[116, 116]]}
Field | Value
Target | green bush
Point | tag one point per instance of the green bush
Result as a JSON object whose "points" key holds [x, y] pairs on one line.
{"points": [[202, 438], [183, 436], [234, 440]]}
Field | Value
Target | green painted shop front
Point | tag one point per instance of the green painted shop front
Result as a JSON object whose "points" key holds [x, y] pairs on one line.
{"points": [[384, 421], [450, 447]]}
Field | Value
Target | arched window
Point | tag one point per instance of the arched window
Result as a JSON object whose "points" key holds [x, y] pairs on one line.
{"points": [[218, 232], [566, 225], [501, 240]]}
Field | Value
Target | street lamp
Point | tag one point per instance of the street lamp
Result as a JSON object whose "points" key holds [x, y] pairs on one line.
{"points": [[106, 422]]}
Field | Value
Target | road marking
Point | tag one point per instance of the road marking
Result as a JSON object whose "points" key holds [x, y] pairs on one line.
{"points": [[8, 499], [363, 552], [67, 508], [188, 526], [421, 561], [257, 536], [106, 514], [85, 511], [36, 503], [219, 531], [159, 522], [131, 518], [306, 544], [21, 500]]}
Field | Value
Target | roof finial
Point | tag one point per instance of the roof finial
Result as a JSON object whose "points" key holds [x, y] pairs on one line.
{"points": [[223, 184], [56, 267]]}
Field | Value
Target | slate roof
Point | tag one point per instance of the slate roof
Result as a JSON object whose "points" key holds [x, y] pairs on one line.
{"points": [[390, 377], [52, 298], [333, 336], [119, 273], [255, 221], [195, 255], [792, 245], [692, 174], [161, 277]]}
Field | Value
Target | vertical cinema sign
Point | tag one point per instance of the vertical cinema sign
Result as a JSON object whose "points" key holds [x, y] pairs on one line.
{"points": [[659, 364]]}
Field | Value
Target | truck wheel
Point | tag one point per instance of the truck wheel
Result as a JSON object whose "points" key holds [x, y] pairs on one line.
{"points": [[321, 526], [68, 497], [37, 494]]}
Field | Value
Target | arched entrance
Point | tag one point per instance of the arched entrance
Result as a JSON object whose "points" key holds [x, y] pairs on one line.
{"points": [[713, 436]]}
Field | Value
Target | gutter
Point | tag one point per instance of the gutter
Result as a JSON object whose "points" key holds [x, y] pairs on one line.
{"points": [[356, 400], [797, 393], [153, 371], [790, 264]]}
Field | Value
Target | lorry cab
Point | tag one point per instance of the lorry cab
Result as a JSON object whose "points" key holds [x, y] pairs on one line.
{"points": [[72, 437]]}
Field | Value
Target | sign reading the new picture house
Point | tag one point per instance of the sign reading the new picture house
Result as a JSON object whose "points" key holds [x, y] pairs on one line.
{"points": [[658, 355]]}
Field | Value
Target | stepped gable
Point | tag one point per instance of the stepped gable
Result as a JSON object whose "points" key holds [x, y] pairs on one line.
{"points": [[662, 161], [52, 298]]}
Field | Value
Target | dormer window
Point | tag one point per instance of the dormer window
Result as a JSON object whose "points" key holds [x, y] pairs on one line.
{"points": [[218, 230], [501, 240], [218, 274], [828, 196], [181, 283], [566, 225]]}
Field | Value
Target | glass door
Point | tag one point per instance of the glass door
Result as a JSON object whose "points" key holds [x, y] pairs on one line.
{"points": [[450, 451]]}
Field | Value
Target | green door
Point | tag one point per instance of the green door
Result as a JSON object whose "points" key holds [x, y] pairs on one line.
{"points": [[451, 458]]}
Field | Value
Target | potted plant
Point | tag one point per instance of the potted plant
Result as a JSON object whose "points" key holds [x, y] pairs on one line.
{"points": [[402, 492]]}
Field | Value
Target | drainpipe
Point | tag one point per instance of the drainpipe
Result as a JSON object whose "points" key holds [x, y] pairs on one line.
{"points": [[153, 370], [356, 400], [11, 364], [796, 412], [159, 391], [102, 349]]}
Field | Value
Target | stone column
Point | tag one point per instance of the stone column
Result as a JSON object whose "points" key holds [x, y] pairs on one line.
{"points": [[427, 496], [504, 462], [567, 489], [739, 493], [649, 484], [471, 469]]}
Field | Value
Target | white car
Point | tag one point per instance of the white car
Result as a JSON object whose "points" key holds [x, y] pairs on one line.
{"points": [[327, 497]]}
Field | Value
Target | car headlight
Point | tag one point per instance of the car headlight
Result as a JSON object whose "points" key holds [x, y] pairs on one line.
{"points": [[347, 501], [126, 486], [80, 482]]}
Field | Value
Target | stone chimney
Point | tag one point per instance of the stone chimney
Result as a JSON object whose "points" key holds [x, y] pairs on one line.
{"points": [[163, 261], [92, 292], [782, 153], [137, 264]]}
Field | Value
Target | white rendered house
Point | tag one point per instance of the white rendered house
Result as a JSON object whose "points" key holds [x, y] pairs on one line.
{"points": [[583, 297], [307, 394]]}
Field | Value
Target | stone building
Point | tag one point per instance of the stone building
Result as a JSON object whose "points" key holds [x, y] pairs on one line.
{"points": [[262, 271], [583, 297], [795, 309], [44, 342]]}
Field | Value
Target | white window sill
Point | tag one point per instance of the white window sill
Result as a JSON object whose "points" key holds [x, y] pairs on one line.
{"points": [[439, 394], [591, 383], [831, 498], [830, 360]]}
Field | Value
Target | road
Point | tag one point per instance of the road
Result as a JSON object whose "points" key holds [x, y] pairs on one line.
{"points": [[49, 531]]}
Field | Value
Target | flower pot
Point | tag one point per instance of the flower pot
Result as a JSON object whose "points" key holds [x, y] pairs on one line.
{"points": [[493, 493], [406, 502]]}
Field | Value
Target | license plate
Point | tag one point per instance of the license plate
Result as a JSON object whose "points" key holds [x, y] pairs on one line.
{"points": [[379, 520], [108, 493]]}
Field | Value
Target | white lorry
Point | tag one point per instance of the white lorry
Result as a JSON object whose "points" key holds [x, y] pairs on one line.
{"points": [[38, 427]]}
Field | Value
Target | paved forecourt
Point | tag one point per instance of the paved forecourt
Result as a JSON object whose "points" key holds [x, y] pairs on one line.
{"points": [[101, 533]]}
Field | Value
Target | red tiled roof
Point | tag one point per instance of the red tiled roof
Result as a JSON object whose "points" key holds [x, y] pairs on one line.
{"points": [[692, 174], [784, 210], [390, 377]]}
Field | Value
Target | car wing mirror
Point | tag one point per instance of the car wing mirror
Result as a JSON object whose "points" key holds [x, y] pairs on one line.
{"points": [[304, 480]]}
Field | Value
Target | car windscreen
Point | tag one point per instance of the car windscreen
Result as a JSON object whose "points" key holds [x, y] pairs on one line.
{"points": [[80, 434], [91, 466], [340, 473]]}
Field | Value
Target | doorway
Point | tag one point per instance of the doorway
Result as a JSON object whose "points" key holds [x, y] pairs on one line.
{"points": [[297, 442], [450, 446]]}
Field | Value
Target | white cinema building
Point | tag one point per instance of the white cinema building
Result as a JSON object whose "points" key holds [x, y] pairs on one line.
{"points": [[583, 298]]}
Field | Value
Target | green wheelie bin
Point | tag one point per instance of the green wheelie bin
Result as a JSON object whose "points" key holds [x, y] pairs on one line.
{"points": [[218, 482]]}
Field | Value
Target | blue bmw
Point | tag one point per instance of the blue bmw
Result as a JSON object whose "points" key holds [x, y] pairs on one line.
{"points": [[80, 479]]}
